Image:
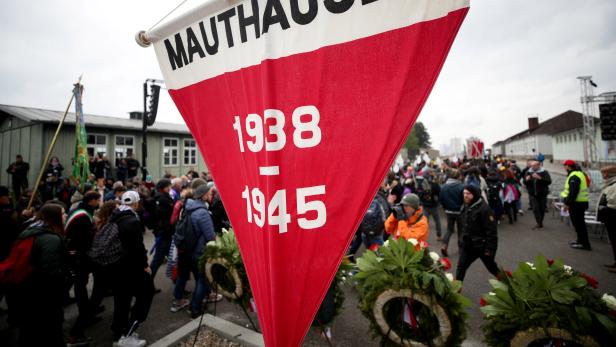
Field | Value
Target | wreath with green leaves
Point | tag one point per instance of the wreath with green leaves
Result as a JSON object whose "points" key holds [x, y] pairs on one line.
{"points": [[547, 300], [409, 298], [224, 268]]}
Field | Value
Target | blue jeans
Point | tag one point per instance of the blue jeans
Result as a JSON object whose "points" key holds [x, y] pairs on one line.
{"points": [[433, 211], [162, 246], [186, 266]]}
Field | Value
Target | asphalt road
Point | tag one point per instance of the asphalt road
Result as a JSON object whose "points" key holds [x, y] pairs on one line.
{"points": [[517, 243]]}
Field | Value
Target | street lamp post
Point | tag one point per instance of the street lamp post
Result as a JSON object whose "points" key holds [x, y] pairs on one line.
{"points": [[151, 91]]}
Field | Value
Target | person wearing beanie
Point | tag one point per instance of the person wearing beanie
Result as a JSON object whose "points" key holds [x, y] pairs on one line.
{"points": [[407, 220], [478, 238], [606, 211], [575, 198]]}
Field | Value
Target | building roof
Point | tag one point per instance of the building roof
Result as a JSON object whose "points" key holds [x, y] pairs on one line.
{"points": [[565, 121], [37, 115]]}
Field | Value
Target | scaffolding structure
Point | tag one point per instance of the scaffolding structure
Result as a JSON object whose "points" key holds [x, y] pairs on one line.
{"points": [[587, 90]]}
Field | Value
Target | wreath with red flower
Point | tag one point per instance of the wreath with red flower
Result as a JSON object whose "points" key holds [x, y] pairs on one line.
{"points": [[547, 300]]}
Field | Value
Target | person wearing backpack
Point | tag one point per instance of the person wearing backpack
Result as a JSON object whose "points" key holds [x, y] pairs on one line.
{"points": [[494, 188], [428, 192], [193, 230], [79, 233], [132, 277], [37, 304]]}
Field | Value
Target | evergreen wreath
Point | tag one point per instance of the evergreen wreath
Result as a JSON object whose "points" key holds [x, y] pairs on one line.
{"points": [[224, 267], [403, 278], [547, 300]]}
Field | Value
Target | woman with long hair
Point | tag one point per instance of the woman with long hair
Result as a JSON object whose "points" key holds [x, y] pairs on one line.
{"points": [[39, 308]]}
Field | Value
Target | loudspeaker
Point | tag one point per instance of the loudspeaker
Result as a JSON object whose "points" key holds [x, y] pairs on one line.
{"points": [[607, 115]]}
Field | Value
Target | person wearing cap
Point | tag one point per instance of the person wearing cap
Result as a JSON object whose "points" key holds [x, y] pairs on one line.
{"points": [[188, 261], [575, 198], [409, 221], [164, 231], [478, 238], [132, 276], [606, 211]]}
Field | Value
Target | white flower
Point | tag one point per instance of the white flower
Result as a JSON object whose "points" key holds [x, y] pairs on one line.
{"points": [[434, 256], [449, 276], [610, 301], [379, 259], [386, 244], [532, 266], [413, 241], [211, 243], [343, 278], [492, 293], [225, 231], [568, 269]]}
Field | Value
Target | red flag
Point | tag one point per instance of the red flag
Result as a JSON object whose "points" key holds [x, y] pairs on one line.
{"points": [[299, 107]]}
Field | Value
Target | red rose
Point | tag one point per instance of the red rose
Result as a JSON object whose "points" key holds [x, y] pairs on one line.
{"points": [[482, 302], [445, 263], [550, 262], [590, 280], [373, 247]]}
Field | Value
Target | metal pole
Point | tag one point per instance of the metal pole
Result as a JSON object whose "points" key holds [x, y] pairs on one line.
{"points": [[144, 133], [50, 149]]}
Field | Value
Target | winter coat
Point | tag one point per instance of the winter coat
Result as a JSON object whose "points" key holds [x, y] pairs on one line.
{"points": [[79, 231], [130, 230], [219, 215], [202, 225], [537, 187], [164, 210], [451, 196], [48, 259], [478, 229], [428, 192], [415, 227], [609, 189]]}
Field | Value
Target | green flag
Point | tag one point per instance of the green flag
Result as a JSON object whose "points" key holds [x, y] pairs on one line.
{"points": [[81, 167]]}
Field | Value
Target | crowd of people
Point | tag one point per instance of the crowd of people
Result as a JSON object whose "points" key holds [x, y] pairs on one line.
{"points": [[476, 196], [94, 230]]}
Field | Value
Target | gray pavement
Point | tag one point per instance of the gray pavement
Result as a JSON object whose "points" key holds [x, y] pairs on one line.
{"points": [[517, 243]]}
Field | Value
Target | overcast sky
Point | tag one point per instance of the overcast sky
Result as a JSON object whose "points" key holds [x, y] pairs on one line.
{"points": [[511, 60]]}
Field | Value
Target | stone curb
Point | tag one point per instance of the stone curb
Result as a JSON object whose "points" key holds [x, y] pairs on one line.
{"points": [[226, 329]]}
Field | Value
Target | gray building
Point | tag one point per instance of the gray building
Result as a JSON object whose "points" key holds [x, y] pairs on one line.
{"points": [[28, 131]]}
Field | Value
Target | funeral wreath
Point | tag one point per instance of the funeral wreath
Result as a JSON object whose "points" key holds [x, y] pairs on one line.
{"points": [[547, 302], [409, 298]]}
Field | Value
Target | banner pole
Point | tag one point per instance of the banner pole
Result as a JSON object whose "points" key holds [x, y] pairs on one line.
{"points": [[50, 149]]}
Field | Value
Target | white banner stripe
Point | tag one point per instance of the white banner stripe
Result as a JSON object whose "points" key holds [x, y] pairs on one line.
{"points": [[326, 29], [269, 170]]}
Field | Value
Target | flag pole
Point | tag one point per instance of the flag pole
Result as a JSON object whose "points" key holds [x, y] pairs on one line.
{"points": [[50, 149]]}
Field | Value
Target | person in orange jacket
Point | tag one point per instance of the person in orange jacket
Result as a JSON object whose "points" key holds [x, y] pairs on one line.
{"points": [[408, 221]]}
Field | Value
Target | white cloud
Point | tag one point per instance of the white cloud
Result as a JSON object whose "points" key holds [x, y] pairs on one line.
{"points": [[510, 60]]}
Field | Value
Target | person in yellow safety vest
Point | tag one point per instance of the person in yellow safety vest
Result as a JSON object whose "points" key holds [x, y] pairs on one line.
{"points": [[575, 197]]}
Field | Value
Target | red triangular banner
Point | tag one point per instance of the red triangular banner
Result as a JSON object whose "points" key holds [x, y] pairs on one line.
{"points": [[299, 112]]}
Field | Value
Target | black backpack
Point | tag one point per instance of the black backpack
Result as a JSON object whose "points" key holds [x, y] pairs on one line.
{"points": [[373, 222], [185, 237], [106, 245]]}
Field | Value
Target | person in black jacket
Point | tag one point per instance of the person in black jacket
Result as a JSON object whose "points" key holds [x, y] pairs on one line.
{"points": [[537, 181], [132, 276], [38, 300], [19, 172], [164, 231], [79, 233], [478, 237]]}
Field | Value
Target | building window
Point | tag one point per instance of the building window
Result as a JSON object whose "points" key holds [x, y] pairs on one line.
{"points": [[574, 137], [190, 152], [97, 143], [124, 146], [170, 152]]}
